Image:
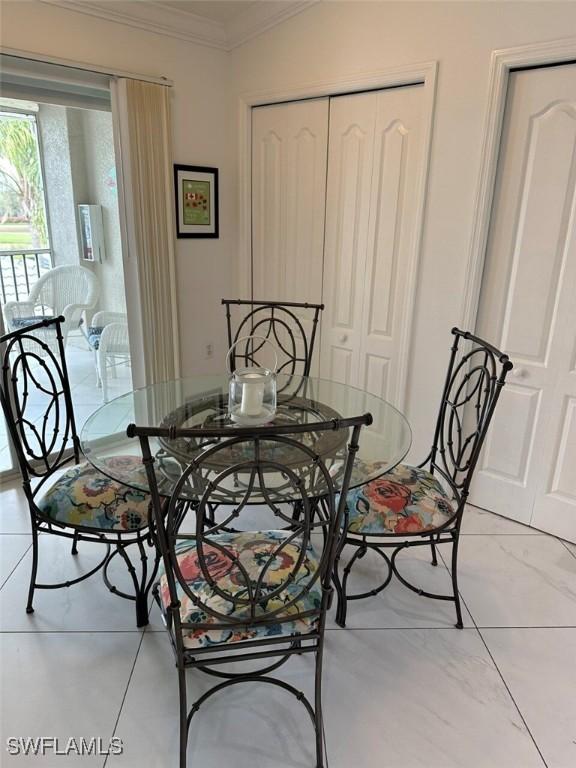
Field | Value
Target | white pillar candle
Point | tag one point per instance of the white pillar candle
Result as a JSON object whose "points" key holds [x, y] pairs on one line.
{"points": [[252, 394]]}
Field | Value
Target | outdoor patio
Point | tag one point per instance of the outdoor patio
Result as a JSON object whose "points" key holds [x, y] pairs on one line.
{"points": [[86, 395]]}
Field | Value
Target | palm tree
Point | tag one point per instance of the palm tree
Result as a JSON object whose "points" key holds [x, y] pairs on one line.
{"points": [[20, 169]]}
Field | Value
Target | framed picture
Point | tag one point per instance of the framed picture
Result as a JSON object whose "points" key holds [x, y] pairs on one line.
{"points": [[196, 190]]}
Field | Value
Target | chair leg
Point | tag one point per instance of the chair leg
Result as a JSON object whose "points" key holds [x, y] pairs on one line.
{"points": [[433, 547], [459, 623], [29, 606], [183, 715], [340, 591], [75, 543], [318, 723]]}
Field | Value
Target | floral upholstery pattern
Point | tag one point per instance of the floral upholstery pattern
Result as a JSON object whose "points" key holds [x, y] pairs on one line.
{"points": [[93, 335], [82, 496], [404, 500], [253, 550], [25, 322]]}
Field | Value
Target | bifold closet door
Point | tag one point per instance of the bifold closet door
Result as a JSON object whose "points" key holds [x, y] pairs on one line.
{"points": [[374, 163], [289, 145], [528, 306]]}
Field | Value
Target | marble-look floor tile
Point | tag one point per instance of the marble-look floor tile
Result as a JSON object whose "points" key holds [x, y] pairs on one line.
{"points": [[62, 685], [518, 581], [397, 606], [14, 516], [570, 547], [87, 606], [539, 666], [13, 547], [419, 699], [480, 521], [251, 725]]}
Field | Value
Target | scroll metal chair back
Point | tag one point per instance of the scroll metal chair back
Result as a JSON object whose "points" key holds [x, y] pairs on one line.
{"points": [[424, 504], [82, 504], [257, 592], [291, 326]]}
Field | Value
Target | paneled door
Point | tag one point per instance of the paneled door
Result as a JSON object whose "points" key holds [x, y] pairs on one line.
{"points": [[528, 306], [374, 162], [289, 145]]}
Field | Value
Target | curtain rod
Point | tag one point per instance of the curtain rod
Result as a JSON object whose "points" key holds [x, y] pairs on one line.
{"points": [[32, 56]]}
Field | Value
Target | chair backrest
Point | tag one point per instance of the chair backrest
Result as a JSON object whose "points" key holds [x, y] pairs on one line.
{"points": [[65, 285], [264, 583], [290, 326], [474, 380], [36, 400]]}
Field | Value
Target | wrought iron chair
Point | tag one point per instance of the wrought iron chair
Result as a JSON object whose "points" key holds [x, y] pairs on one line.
{"points": [[424, 504], [236, 596], [82, 504], [283, 323], [68, 290]]}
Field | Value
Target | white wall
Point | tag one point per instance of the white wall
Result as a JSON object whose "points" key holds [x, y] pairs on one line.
{"points": [[202, 136], [340, 39]]}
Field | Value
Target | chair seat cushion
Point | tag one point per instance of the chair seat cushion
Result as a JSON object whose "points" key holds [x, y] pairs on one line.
{"points": [[252, 549], [82, 496], [93, 334], [16, 323], [404, 500]]}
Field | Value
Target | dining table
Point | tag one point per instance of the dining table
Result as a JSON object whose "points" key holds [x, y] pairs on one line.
{"points": [[200, 403]]}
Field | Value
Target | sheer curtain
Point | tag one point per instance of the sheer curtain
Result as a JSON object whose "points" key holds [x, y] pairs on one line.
{"points": [[144, 158]]}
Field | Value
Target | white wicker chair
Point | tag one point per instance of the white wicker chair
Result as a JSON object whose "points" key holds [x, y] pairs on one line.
{"points": [[68, 290], [111, 345]]}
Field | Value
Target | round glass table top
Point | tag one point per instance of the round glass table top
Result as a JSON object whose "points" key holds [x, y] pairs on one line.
{"points": [[202, 402]]}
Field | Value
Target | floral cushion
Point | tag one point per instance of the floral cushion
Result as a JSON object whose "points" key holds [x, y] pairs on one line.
{"points": [[82, 496], [404, 500], [93, 335], [252, 549]]}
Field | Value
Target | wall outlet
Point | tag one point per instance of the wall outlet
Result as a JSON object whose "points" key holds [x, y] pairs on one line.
{"points": [[209, 350]]}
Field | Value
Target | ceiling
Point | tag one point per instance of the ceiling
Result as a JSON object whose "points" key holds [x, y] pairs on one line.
{"points": [[223, 24]]}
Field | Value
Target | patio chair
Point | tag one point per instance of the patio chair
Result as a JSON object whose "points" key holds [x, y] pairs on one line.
{"points": [[291, 326], [230, 597], [423, 505], [66, 291], [80, 504], [107, 336]]}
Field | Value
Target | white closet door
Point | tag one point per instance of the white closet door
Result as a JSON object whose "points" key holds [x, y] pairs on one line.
{"points": [[289, 144], [374, 163], [528, 306]]}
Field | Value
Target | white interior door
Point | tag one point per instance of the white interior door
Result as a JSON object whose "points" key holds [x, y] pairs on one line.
{"points": [[374, 162], [289, 144], [528, 306]]}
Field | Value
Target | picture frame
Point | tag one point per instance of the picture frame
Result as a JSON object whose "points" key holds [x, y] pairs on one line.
{"points": [[196, 198]]}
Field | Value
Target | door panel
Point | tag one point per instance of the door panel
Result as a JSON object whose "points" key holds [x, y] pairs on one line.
{"points": [[350, 165], [373, 165], [289, 144], [527, 304]]}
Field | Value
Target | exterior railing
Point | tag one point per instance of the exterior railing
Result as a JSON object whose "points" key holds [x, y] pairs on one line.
{"points": [[19, 270]]}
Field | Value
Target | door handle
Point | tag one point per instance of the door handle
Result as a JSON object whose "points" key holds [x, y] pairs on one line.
{"points": [[343, 338], [519, 373]]}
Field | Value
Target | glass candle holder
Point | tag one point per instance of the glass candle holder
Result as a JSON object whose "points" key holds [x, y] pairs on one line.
{"points": [[252, 391]]}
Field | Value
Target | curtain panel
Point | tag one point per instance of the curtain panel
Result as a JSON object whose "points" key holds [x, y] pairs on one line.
{"points": [[144, 140]]}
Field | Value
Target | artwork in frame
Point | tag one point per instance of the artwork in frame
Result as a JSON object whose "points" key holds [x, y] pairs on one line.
{"points": [[196, 189]]}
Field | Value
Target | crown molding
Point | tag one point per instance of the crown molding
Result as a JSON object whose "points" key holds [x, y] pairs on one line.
{"points": [[156, 18], [261, 17], [168, 20]]}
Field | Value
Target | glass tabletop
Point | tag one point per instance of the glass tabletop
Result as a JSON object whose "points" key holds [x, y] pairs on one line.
{"points": [[202, 401]]}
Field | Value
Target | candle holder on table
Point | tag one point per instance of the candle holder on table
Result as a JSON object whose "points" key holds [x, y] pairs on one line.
{"points": [[252, 389]]}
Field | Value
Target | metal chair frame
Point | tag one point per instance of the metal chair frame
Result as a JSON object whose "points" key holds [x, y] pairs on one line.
{"points": [[268, 319], [476, 376], [51, 452], [273, 651]]}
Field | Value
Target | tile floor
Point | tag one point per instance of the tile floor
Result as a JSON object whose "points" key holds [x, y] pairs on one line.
{"points": [[403, 688]]}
